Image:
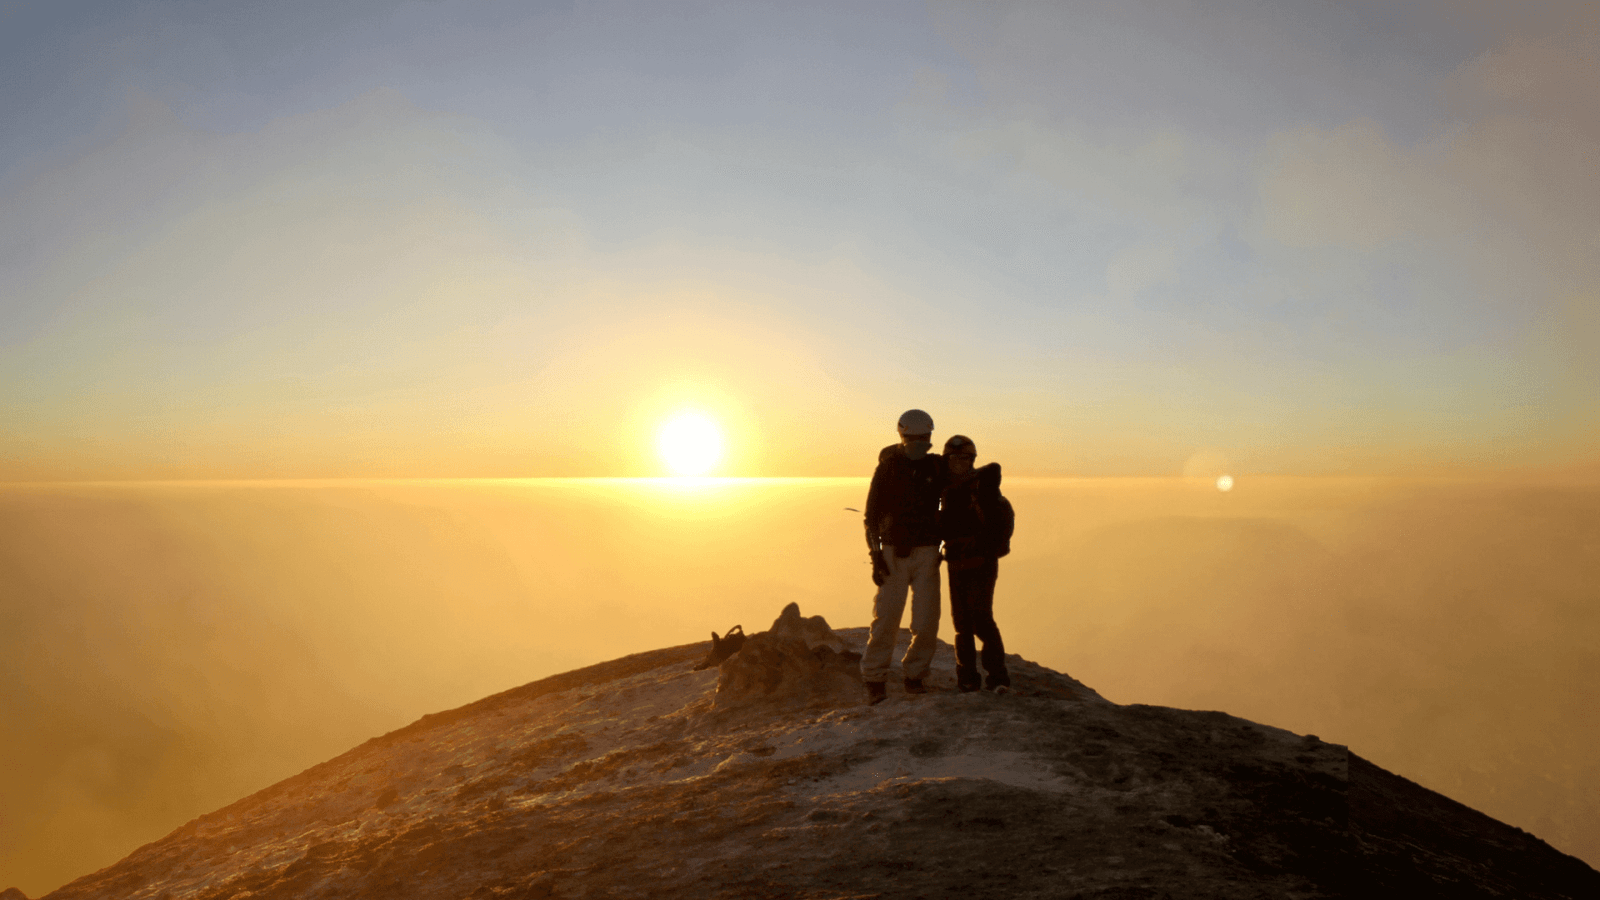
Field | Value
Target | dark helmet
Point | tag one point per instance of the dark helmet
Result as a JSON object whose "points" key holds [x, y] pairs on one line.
{"points": [[960, 445]]}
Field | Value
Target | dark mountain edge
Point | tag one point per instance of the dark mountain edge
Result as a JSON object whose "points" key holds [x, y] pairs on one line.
{"points": [[566, 787], [1416, 840]]}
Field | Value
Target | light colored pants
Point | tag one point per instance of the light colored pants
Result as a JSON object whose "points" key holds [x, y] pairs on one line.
{"points": [[919, 572]]}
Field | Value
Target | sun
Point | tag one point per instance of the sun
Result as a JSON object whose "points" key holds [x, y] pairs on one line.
{"points": [[690, 443]]}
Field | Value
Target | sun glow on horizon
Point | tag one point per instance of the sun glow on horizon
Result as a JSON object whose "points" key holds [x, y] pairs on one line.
{"points": [[690, 443]]}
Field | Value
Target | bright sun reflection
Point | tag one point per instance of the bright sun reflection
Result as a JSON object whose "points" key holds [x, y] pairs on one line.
{"points": [[690, 443]]}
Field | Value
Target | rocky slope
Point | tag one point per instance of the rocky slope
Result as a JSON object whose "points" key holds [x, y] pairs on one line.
{"points": [[769, 777]]}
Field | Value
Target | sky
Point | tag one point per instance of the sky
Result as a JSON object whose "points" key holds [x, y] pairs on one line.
{"points": [[483, 239]]}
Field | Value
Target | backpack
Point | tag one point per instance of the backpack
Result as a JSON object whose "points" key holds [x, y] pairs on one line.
{"points": [[722, 647], [996, 519], [999, 523]]}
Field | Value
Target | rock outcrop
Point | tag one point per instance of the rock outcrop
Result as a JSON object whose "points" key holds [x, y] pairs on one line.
{"points": [[797, 659], [770, 778]]}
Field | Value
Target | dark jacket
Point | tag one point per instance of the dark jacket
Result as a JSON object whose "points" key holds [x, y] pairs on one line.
{"points": [[975, 520], [903, 502]]}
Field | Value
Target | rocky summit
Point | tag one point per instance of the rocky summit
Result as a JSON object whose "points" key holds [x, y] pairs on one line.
{"points": [[767, 775]]}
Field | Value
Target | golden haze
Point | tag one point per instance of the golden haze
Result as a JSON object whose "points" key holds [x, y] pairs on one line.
{"points": [[170, 648]]}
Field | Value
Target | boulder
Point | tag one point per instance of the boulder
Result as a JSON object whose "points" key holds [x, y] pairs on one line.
{"points": [[797, 659]]}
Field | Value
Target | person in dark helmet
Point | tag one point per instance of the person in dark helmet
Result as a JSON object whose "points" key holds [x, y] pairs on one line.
{"points": [[902, 524], [975, 522]]}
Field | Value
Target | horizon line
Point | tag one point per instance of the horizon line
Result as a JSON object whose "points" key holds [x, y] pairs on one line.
{"points": [[693, 480]]}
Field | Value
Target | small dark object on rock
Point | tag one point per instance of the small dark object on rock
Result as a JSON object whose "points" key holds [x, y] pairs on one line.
{"points": [[722, 647]]}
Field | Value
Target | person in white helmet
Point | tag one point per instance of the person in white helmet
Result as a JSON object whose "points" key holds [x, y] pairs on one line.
{"points": [[903, 541]]}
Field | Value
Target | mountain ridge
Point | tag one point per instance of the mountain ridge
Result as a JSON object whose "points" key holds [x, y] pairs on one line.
{"points": [[767, 776]]}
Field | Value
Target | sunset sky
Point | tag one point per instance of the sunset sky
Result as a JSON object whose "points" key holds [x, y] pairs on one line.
{"points": [[298, 249], [506, 239]]}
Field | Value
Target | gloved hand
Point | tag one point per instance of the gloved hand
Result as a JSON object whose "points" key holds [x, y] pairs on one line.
{"points": [[880, 567]]}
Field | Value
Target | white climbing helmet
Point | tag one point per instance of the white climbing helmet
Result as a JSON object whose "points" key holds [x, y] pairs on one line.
{"points": [[915, 421]]}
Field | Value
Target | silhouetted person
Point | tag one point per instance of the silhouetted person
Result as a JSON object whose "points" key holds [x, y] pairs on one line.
{"points": [[975, 522], [902, 522]]}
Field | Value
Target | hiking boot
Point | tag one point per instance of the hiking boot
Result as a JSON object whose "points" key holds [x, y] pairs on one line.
{"points": [[876, 693], [967, 687], [914, 686], [1002, 689]]}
